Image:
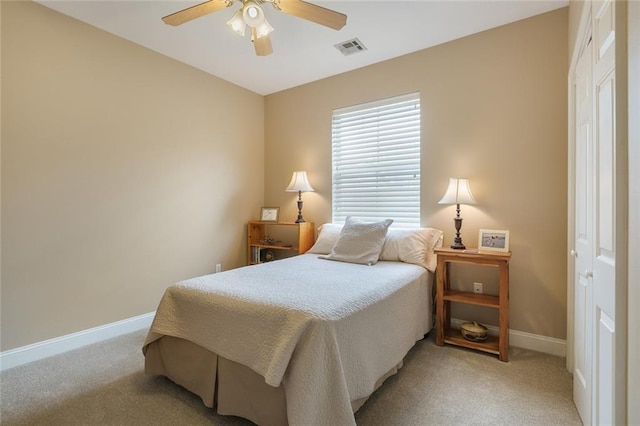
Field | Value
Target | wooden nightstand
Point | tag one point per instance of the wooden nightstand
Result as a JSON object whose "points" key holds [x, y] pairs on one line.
{"points": [[444, 296], [302, 239]]}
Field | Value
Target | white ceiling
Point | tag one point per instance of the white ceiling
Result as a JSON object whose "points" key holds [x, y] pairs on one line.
{"points": [[302, 51]]}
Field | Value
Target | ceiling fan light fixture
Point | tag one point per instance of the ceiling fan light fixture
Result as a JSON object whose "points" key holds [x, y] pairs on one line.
{"points": [[252, 14], [236, 23], [263, 29]]}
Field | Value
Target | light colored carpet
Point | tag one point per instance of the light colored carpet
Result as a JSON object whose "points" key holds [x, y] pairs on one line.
{"points": [[104, 384]]}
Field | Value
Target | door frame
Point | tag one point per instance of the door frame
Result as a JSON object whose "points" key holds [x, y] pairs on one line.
{"points": [[622, 213], [633, 312]]}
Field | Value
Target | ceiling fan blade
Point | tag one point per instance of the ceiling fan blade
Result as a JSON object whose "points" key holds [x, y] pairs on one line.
{"points": [[193, 12], [262, 45], [311, 12]]}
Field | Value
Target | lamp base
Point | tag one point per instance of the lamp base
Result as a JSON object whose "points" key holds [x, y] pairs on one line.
{"points": [[300, 219], [457, 241], [457, 245]]}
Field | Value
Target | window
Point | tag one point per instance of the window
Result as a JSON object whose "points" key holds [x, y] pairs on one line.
{"points": [[376, 161]]}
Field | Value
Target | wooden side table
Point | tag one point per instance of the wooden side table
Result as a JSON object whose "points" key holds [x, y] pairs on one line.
{"points": [[257, 230], [445, 295]]}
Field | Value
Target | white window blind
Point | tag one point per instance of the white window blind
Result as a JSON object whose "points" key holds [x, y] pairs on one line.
{"points": [[376, 161]]}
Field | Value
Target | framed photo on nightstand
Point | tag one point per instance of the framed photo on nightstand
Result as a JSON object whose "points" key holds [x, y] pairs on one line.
{"points": [[269, 214], [493, 239]]}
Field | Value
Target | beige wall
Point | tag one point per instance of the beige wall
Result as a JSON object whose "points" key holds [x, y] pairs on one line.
{"points": [[122, 172], [494, 109]]}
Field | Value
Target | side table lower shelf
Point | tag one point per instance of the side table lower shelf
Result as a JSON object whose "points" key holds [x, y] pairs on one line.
{"points": [[454, 337]]}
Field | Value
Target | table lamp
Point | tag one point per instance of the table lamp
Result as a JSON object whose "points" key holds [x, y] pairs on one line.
{"points": [[299, 183], [458, 193]]}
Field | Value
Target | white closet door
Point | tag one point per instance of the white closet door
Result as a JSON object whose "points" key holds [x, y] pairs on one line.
{"points": [[600, 224], [584, 234], [604, 260]]}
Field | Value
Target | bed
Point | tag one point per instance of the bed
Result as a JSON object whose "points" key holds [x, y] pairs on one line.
{"points": [[300, 341]]}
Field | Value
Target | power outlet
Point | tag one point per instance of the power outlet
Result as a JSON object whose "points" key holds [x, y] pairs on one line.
{"points": [[218, 268], [477, 288]]}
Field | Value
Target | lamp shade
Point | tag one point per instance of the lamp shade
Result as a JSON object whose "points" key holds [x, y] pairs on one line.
{"points": [[263, 29], [252, 14], [299, 182], [458, 192], [236, 23]]}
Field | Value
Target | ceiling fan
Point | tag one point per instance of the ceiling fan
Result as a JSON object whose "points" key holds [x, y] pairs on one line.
{"points": [[250, 14]]}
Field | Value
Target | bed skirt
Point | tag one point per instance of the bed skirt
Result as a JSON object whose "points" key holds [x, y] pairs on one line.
{"points": [[232, 388]]}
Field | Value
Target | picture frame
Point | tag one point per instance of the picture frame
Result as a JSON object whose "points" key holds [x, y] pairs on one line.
{"points": [[493, 240], [269, 214]]}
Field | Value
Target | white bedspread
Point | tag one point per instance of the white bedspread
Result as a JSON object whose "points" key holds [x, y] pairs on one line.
{"points": [[327, 330]]}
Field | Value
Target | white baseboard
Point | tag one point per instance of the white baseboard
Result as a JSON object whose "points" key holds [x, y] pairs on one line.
{"points": [[36, 351], [25, 354], [521, 339]]}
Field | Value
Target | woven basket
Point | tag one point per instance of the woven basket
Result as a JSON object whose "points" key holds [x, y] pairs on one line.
{"points": [[474, 331]]}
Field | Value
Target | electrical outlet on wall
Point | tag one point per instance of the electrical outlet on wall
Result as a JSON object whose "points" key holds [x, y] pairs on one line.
{"points": [[477, 288], [218, 268]]}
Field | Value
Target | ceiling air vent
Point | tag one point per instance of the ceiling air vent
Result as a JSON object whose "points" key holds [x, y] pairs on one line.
{"points": [[350, 47]]}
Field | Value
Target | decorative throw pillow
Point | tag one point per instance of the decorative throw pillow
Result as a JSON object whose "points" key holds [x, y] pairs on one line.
{"points": [[413, 246], [359, 242], [328, 234]]}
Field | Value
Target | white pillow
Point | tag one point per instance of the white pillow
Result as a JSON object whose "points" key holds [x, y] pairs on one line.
{"points": [[328, 234], [359, 242], [412, 246]]}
